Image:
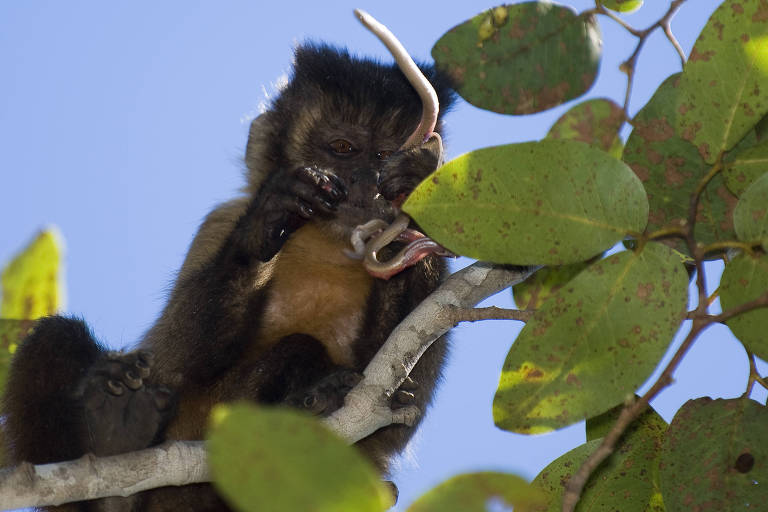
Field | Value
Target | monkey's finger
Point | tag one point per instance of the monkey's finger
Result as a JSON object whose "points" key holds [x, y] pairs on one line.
{"points": [[409, 384], [327, 182], [309, 197], [402, 397]]}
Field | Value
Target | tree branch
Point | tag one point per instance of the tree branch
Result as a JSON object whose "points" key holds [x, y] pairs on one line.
{"points": [[90, 477], [490, 313], [366, 409]]}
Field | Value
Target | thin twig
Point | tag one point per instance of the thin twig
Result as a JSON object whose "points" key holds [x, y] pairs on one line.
{"points": [[760, 302], [628, 66], [754, 376], [701, 319], [664, 23]]}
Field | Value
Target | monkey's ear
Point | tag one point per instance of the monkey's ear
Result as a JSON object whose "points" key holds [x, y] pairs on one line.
{"points": [[259, 152]]}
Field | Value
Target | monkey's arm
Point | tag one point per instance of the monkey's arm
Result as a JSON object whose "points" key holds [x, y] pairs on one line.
{"points": [[214, 310]]}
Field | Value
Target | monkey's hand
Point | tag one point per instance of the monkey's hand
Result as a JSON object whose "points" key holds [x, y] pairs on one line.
{"points": [[405, 169], [326, 395], [285, 202]]}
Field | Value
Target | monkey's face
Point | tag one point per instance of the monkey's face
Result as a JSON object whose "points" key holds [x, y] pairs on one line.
{"points": [[353, 143], [345, 115]]}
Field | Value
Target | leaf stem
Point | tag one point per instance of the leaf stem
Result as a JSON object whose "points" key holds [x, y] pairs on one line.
{"points": [[728, 244]]}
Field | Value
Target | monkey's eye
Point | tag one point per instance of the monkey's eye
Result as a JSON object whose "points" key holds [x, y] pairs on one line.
{"points": [[383, 155], [341, 146]]}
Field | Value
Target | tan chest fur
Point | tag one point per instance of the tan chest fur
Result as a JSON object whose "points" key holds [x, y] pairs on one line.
{"points": [[317, 290]]}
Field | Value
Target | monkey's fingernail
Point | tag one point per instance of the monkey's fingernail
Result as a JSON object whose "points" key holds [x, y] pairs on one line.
{"points": [[115, 387], [132, 380], [306, 211], [404, 397], [409, 384], [329, 205]]}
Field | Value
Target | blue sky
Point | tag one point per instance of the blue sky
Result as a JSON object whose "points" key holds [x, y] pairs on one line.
{"points": [[124, 123]]}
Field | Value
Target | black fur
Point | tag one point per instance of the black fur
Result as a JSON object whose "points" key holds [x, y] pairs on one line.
{"points": [[228, 331]]}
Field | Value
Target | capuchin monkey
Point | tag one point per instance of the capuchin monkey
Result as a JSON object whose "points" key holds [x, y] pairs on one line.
{"points": [[267, 306]]}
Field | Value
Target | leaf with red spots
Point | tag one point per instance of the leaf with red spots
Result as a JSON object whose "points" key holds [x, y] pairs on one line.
{"points": [[626, 481], [537, 57], [751, 215], [594, 342], [715, 456], [671, 168], [722, 88], [474, 491], [744, 167], [596, 122], [279, 459], [549, 202], [745, 278]]}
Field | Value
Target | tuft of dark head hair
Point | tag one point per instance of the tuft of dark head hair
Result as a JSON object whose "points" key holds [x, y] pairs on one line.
{"points": [[334, 73]]}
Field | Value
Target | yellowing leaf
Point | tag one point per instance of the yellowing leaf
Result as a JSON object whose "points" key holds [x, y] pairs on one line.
{"points": [[594, 342], [32, 283], [475, 491]]}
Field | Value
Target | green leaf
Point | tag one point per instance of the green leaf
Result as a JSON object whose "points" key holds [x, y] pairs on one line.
{"points": [[596, 122], [751, 215], [278, 459], [714, 456], [32, 282], [745, 168], [626, 6], [540, 56], [550, 202], [722, 92], [626, 481], [593, 343], [599, 426], [744, 279], [531, 293], [476, 491], [671, 168]]}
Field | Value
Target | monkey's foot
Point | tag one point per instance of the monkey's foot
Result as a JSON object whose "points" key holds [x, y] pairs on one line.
{"points": [[326, 395], [122, 411]]}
